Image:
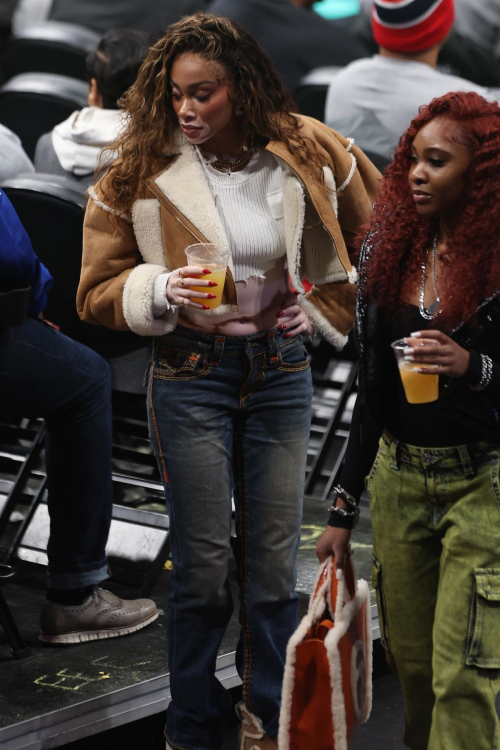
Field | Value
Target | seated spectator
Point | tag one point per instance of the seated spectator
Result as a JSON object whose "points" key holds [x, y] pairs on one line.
{"points": [[374, 100], [45, 374], [480, 22], [13, 158], [73, 147], [151, 16], [295, 37]]}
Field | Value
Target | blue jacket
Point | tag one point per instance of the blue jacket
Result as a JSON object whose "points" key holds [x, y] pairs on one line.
{"points": [[19, 266]]}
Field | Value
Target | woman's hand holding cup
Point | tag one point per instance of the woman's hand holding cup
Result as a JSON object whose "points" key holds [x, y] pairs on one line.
{"points": [[178, 290]]}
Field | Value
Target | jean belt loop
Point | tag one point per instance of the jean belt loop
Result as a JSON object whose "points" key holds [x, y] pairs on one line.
{"points": [[272, 347], [218, 350], [467, 466], [394, 454]]}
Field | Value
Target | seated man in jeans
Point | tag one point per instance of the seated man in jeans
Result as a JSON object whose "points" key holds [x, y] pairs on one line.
{"points": [[45, 374]]}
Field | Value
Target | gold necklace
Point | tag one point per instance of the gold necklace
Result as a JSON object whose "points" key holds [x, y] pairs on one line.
{"points": [[231, 166]]}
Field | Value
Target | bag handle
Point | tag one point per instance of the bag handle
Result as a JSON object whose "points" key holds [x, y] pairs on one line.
{"points": [[333, 588]]}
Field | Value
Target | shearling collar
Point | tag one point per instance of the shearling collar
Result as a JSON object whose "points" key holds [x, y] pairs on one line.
{"points": [[191, 194]]}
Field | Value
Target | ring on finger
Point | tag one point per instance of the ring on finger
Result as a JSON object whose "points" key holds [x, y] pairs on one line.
{"points": [[180, 281]]}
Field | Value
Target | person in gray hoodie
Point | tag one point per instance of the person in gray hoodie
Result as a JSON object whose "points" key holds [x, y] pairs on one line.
{"points": [[73, 147]]}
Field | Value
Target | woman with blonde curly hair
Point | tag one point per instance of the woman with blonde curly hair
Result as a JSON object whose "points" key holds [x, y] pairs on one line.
{"points": [[214, 153]]}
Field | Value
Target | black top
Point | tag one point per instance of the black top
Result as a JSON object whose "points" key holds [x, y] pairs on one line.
{"points": [[296, 39], [429, 425], [438, 424]]}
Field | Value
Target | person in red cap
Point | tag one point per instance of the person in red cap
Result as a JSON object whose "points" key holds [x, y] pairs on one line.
{"points": [[414, 26], [374, 100]]}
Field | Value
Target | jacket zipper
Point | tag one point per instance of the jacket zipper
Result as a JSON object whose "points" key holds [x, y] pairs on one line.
{"points": [[321, 221], [478, 308], [160, 195]]}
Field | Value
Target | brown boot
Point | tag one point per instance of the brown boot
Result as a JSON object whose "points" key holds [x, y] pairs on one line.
{"points": [[252, 735]]}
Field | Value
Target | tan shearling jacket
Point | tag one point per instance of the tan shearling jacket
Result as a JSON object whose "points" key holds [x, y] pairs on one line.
{"points": [[176, 209]]}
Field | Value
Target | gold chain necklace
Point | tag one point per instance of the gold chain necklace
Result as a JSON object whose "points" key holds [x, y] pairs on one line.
{"points": [[231, 166]]}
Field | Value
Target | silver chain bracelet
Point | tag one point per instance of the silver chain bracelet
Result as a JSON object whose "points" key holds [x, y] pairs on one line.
{"points": [[350, 500], [486, 374]]}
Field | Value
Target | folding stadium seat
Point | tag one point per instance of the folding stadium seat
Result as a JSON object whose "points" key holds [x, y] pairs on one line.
{"points": [[51, 209], [7, 621], [51, 47], [311, 99], [380, 161], [14, 307], [31, 104]]}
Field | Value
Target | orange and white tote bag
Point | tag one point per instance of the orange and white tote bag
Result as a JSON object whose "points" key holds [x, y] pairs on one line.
{"points": [[327, 686]]}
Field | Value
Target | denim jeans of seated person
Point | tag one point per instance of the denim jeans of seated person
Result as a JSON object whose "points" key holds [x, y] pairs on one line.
{"points": [[45, 374], [229, 415], [436, 529]]}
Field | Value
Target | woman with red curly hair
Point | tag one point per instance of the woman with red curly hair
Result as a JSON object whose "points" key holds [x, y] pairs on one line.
{"points": [[430, 274]]}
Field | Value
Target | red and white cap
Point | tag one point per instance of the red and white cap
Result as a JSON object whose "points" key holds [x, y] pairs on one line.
{"points": [[411, 25]]}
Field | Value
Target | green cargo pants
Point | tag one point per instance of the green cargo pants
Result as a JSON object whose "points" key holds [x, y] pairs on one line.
{"points": [[436, 546]]}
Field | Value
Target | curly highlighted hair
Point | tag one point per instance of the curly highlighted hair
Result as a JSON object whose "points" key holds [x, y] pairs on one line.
{"points": [[401, 237], [153, 125]]}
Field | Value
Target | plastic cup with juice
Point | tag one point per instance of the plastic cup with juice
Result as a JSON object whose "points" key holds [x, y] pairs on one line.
{"points": [[212, 257], [419, 388]]}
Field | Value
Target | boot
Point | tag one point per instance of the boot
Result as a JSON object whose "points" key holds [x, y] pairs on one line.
{"points": [[252, 735]]}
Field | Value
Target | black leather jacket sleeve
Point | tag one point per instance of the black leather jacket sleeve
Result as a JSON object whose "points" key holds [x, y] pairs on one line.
{"points": [[361, 450]]}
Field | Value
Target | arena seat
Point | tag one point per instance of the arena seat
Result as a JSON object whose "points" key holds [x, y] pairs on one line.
{"points": [[14, 307], [31, 104], [7, 621], [51, 47], [380, 161], [51, 209], [310, 98]]}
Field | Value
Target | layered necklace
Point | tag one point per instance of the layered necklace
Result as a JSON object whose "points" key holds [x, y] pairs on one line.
{"points": [[228, 167], [433, 310]]}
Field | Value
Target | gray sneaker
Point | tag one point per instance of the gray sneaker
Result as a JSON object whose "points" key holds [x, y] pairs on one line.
{"points": [[102, 615]]}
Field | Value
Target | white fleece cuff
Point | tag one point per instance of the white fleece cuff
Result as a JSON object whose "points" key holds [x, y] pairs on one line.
{"points": [[320, 323], [160, 301], [138, 302]]}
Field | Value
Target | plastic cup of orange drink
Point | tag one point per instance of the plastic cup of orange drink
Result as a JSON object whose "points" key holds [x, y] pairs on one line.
{"points": [[212, 257], [419, 388]]}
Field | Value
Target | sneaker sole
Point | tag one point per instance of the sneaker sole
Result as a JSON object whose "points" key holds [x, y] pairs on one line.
{"points": [[84, 636]]}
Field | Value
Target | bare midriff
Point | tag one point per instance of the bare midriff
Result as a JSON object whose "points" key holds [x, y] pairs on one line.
{"points": [[259, 301]]}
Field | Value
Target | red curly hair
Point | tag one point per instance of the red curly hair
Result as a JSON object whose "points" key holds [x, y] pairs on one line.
{"points": [[401, 237]]}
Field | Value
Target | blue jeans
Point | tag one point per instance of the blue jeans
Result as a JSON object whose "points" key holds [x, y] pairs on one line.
{"points": [[229, 414], [45, 374]]}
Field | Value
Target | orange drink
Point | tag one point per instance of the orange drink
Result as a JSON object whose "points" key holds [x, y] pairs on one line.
{"points": [[214, 258], [217, 275], [419, 389]]}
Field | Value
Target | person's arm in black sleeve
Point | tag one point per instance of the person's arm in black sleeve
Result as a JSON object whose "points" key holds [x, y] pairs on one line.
{"points": [[362, 447]]}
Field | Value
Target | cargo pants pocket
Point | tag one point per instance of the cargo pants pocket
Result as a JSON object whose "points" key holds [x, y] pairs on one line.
{"points": [[483, 643], [378, 585]]}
